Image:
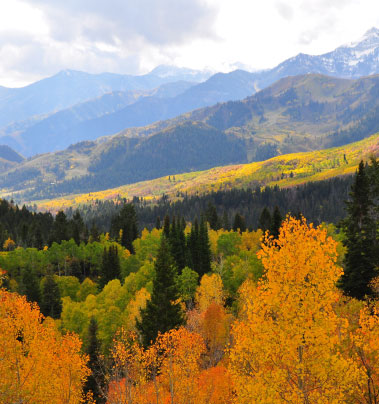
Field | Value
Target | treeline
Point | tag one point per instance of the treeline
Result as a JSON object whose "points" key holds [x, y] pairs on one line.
{"points": [[319, 202]]}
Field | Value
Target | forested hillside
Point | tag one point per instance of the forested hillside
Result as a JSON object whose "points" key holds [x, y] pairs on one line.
{"points": [[300, 113], [187, 312]]}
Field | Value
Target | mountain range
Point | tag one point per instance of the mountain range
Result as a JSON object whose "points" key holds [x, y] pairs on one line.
{"points": [[34, 113], [295, 114]]}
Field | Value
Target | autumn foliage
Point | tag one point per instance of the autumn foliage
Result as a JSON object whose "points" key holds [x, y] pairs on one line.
{"points": [[37, 364]]}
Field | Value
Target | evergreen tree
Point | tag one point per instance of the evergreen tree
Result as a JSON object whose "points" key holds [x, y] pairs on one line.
{"points": [[128, 221], [212, 217], [239, 223], [276, 222], [162, 312], [158, 223], [94, 233], [204, 250], [77, 227], [166, 227], [96, 380], [265, 220], [30, 286], [193, 246], [110, 266], [360, 229], [177, 242], [51, 304], [225, 221], [60, 228]]}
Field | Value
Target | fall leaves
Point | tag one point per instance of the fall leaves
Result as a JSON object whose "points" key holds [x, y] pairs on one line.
{"points": [[291, 337], [37, 364]]}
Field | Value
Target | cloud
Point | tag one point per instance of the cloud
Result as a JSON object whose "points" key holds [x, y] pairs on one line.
{"points": [[284, 10], [96, 35], [163, 22]]}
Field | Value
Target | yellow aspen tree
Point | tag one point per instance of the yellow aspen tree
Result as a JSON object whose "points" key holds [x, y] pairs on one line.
{"points": [[286, 343], [210, 291], [37, 364]]}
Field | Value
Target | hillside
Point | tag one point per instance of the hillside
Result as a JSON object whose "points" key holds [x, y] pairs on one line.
{"points": [[284, 171], [296, 114], [43, 134]]}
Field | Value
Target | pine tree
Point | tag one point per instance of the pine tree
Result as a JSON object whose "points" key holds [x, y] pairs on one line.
{"points": [[166, 227], [193, 246], [265, 220], [360, 231], [276, 223], [51, 304], [158, 223], [30, 285], [225, 221], [162, 312], [127, 221], [178, 244], [204, 250], [60, 228], [239, 223], [110, 266], [212, 217], [96, 380]]}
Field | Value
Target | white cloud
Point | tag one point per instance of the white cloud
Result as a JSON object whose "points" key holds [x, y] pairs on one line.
{"points": [[40, 37]]}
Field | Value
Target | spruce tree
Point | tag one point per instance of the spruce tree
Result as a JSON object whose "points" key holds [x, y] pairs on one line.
{"points": [[360, 239], [204, 250], [178, 244], [96, 380], [166, 227], [162, 312], [212, 217], [110, 266], [30, 286], [193, 246], [239, 223], [265, 220], [276, 223], [158, 223], [51, 304], [225, 221]]}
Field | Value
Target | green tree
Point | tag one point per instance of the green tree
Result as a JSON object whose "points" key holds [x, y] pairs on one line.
{"points": [[51, 304], [162, 312], [110, 266], [276, 223], [212, 217], [239, 223], [96, 380], [31, 287], [265, 220], [360, 227], [204, 249], [126, 221]]}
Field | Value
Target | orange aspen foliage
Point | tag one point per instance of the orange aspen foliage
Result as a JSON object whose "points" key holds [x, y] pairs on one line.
{"points": [[286, 344], [215, 331], [215, 386], [37, 364], [366, 347]]}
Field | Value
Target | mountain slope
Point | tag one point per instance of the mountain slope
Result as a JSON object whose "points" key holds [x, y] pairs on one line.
{"points": [[296, 114], [58, 130], [285, 171], [68, 88]]}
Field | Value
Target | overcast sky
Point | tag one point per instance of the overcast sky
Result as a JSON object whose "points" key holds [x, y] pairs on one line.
{"points": [[40, 37]]}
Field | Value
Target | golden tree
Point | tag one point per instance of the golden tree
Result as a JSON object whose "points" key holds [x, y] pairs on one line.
{"points": [[37, 364], [286, 344]]}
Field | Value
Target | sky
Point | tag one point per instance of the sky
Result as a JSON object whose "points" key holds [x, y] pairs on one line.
{"points": [[38, 38]]}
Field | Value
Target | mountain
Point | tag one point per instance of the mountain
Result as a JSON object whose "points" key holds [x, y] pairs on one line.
{"points": [[284, 171], [26, 112], [42, 134], [296, 114], [70, 87]]}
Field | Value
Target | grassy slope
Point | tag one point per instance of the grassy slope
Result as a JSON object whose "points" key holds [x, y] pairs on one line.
{"points": [[305, 167]]}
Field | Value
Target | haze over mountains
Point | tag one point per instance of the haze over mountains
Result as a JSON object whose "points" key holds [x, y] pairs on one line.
{"points": [[168, 122], [299, 113], [34, 113]]}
